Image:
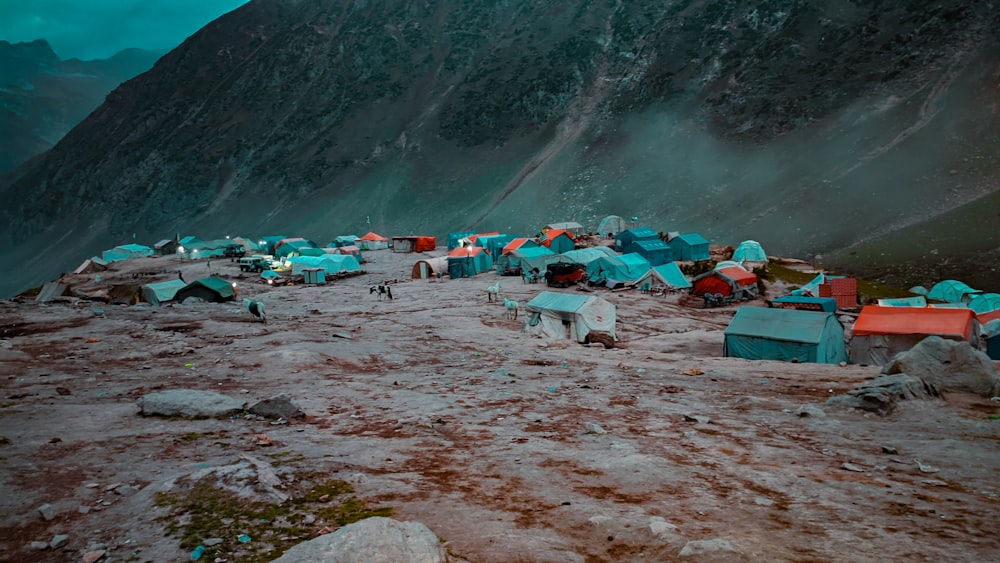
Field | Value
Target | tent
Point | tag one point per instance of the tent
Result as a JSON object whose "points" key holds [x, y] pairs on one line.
{"points": [[331, 263], [558, 241], [624, 268], [991, 332], [520, 242], [267, 244], [430, 267], [413, 244], [653, 250], [466, 262], [733, 281], [91, 265], [165, 247], [291, 247], [985, 302], [249, 244], [624, 239], [350, 249], [882, 332], [574, 228], [342, 240], [761, 333], [918, 301], [587, 255], [952, 291], [52, 291], [689, 246], [494, 243], [161, 292], [213, 290], [802, 303], [668, 274], [455, 238], [612, 224], [126, 252], [528, 259], [569, 316], [750, 255], [372, 241]]}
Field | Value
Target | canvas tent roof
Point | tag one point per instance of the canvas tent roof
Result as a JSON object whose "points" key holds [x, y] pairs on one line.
{"points": [[519, 242], [331, 263], [951, 291], [161, 292], [911, 320], [613, 224], [749, 251], [779, 334], [627, 267], [824, 304], [918, 301], [985, 302], [572, 316], [587, 255], [537, 257], [429, 267], [565, 226], [209, 289], [669, 274]]}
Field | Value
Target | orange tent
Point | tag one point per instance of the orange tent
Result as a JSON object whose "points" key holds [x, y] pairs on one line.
{"points": [[370, 236], [882, 332], [518, 243]]}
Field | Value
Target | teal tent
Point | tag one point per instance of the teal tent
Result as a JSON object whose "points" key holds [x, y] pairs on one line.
{"points": [[952, 291], [569, 316], [126, 252], [624, 239], [985, 302], [750, 254], [624, 268], [611, 224], [558, 241], [824, 304], [655, 251], [759, 333], [668, 274], [331, 263], [529, 259], [466, 262], [292, 248], [689, 246], [587, 255], [454, 238], [494, 243], [212, 289], [342, 240], [161, 292]]}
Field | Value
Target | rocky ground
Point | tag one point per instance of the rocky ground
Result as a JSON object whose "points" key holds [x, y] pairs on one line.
{"points": [[434, 407]]}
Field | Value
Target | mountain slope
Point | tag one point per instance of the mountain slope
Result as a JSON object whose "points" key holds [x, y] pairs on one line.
{"points": [[808, 126]]}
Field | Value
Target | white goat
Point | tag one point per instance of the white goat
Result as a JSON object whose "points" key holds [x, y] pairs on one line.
{"points": [[510, 308], [493, 292]]}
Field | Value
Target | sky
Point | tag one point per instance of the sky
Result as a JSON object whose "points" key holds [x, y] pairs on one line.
{"points": [[97, 29]]}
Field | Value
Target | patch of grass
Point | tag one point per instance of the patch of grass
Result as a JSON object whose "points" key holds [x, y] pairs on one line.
{"points": [[867, 290], [194, 436], [4, 440], [206, 511], [285, 457]]}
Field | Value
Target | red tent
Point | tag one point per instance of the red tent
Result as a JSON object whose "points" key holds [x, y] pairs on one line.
{"points": [[727, 281]]}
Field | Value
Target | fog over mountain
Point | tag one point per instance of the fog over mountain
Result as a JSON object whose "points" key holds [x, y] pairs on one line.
{"points": [[865, 133]]}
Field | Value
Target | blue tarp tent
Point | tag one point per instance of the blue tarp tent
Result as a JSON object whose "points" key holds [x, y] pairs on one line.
{"points": [[689, 246], [587, 255], [494, 243], [750, 254], [825, 304], [160, 292], [653, 250], [759, 333], [266, 243], [952, 291], [529, 259], [624, 239], [331, 263], [125, 252], [465, 262], [624, 268]]}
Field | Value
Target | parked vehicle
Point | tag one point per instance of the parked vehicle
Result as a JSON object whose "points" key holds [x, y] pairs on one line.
{"points": [[254, 264], [564, 274], [234, 251]]}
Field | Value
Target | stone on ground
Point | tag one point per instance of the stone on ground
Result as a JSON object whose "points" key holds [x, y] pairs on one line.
{"points": [[881, 394], [188, 403], [279, 406], [949, 365], [373, 540]]}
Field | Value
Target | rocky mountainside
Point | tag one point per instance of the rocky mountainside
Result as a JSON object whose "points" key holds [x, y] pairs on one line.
{"points": [[42, 97], [866, 133]]}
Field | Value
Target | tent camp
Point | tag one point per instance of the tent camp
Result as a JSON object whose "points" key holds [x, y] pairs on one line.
{"points": [[882, 332], [466, 262], [624, 239], [126, 252], [653, 250], [330, 263], [614, 269], [802, 303], [248, 244], [952, 291], [611, 225], [668, 275], [413, 244], [372, 241], [733, 281], [529, 259], [558, 241], [689, 246], [750, 255], [213, 290], [161, 292], [761, 333], [430, 268], [569, 316]]}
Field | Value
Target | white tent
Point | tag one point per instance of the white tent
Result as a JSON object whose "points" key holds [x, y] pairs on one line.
{"points": [[569, 316]]}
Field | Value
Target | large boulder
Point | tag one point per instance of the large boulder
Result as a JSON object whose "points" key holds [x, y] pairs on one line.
{"points": [[189, 403], [949, 365], [881, 394], [372, 540]]}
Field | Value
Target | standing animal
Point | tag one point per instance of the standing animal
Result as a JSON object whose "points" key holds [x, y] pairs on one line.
{"points": [[256, 309], [381, 290], [510, 307], [493, 292]]}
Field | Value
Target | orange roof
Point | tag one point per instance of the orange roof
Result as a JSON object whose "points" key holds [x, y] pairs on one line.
{"points": [[514, 244], [987, 317], [553, 233], [913, 320], [739, 275], [464, 251], [372, 236], [472, 238]]}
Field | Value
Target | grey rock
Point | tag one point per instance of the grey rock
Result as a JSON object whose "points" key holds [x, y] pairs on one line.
{"points": [[949, 365], [125, 490], [188, 403], [39, 545], [882, 394], [308, 519], [848, 466], [701, 547], [210, 542], [810, 410], [47, 512], [280, 406], [83, 509], [594, 428], [373, 540], [58, 541]]}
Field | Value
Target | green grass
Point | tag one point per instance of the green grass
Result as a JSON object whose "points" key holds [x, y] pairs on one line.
{"points": [[205, 511]]}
